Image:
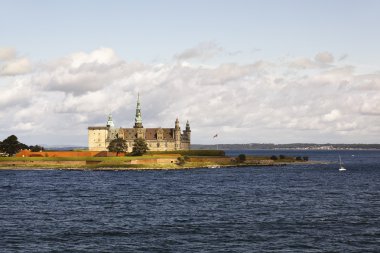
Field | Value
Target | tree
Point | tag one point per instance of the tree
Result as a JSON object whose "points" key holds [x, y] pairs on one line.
{"points": [[241, 158], [118, 145], [273, 157], [11, 145], [36, 148], [139, 147]]}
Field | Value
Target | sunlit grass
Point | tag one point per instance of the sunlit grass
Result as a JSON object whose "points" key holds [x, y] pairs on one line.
{"points": [[124, 162]]}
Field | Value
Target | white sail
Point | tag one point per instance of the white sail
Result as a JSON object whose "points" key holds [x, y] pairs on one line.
{"points": [[341, 168]]}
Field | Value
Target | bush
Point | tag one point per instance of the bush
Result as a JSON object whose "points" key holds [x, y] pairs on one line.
{"points": [[181, 161], [298, 158], [139, 147], [282, 157], [273, 157], [118, 145], [36, 148], [306, 158], [241, 158]]}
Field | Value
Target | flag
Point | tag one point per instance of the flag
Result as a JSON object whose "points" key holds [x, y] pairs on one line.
{"points": [[216, 135]]}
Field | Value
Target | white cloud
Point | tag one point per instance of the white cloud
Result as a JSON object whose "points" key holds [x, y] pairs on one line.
{"points": [[332, 116], [101, 56], [261, 101], [303, 63], [7, 54], [28, 126], [17, 94], [83, 72], [346, 126], [324, 58], [15, 67], [371, 107], [321, 60], [11, 65], [368, 82], [202, 51]]}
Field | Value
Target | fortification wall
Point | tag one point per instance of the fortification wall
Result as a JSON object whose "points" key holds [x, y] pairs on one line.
{"points": [[28, 153], [211, 159], [154, 161]]}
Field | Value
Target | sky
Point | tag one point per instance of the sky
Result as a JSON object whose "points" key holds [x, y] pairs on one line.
{"points": [[284, 71]]}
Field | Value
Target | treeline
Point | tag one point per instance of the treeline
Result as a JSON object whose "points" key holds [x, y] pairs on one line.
{"points": [[11, 146], [285, 146]]}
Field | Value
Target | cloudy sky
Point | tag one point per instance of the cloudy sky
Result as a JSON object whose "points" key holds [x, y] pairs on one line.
{"points": [[251, 71]]}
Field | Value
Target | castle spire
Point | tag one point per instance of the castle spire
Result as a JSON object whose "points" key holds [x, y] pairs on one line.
{"points": [[110, 121], [138, 119]]}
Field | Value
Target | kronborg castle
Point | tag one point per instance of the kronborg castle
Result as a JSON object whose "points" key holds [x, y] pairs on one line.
{"points": [[158, 139]]}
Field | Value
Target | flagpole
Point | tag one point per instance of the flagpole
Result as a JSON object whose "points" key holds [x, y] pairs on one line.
{"points": [[215, 136]]}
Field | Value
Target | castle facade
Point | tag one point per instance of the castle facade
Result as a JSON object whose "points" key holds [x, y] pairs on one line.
{"points": [[158, 139]]}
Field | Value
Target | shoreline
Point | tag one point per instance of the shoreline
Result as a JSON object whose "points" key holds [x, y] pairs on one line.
{"points": [[147, 167]]}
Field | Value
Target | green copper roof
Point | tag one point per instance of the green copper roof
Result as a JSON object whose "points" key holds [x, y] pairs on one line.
{"points": [[138, 119], [110, 121]]}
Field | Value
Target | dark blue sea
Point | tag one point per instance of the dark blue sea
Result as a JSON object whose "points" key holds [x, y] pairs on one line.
{"points": [[294, 208]]}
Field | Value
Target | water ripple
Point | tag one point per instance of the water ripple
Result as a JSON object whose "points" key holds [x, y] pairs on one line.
{"points": [[311, 208]]}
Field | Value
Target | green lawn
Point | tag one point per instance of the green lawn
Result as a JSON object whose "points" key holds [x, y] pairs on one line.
{"points": [[85, 158]]}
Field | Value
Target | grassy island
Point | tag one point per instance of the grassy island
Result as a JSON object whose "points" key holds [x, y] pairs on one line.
{"points": [[151, 160]]}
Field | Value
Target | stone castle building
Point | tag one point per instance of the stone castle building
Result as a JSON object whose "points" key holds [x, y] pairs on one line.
{"points": [[158, 139]]}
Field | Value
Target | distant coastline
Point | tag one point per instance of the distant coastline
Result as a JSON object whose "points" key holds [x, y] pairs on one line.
{"points": [[291, 146]]}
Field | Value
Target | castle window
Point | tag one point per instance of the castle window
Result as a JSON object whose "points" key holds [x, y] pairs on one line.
{"points": [[158, 144]]}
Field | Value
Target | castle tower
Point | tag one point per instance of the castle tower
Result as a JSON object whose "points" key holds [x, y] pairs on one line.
{"points": [[112, 132], [110, 121], [138, 119], [177, 135], [188, 131], [177, 124]]}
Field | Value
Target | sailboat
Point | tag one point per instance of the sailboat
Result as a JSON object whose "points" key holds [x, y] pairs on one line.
{"points": [[341, 168]]}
